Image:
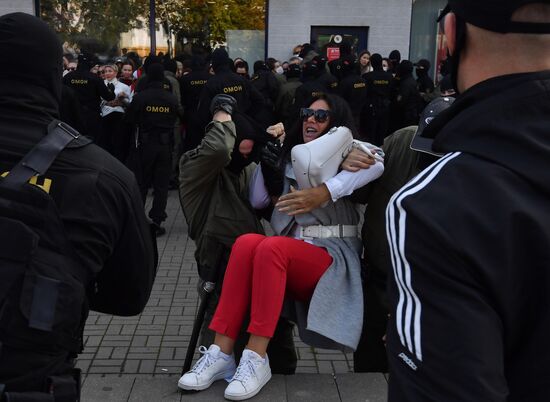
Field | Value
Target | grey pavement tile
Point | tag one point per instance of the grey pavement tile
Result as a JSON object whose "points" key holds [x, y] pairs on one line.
{"points": [[120, 352], [212, 394], [155, 389], [341, 367], [104, 370], [104, 352], [139, 356], [362, 387], [147, 366], [101, 389], [311, 387], [131, 366], [325, 367], [93, 340], [306, 370]]}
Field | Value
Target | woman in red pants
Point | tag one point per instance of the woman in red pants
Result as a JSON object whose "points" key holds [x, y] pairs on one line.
{"points": [[312, 264]]}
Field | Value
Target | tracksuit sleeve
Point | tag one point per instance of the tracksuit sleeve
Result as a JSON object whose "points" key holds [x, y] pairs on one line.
{"points": [[445, 339]]}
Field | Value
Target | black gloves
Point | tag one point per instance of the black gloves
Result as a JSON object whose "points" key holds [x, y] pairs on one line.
{"points": [[272, 168], [224, 102]]}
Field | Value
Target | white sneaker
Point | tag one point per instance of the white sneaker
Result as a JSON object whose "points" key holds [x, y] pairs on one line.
{"points": [[212, 366], [251, 375]]}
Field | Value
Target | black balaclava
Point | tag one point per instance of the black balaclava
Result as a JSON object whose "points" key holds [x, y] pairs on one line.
{"points": [[311, 69], [345, 67], [220, 60], [155, 72], [30, 78], [294, 71], [85, 62], [376, 62], [422, 68], [259, 66], [198, 63], [170, 65], [395, 57], [245, 128], [405, 69], [151, 59]]}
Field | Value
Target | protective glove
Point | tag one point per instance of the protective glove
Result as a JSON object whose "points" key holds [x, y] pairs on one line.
{"points": [[224, 102], [272, 168]]}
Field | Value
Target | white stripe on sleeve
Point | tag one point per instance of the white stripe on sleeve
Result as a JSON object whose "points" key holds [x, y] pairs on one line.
{"points": [[409, 305]]}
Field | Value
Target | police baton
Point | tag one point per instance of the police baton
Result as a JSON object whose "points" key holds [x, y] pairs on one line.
{"points": [[205, 291]]}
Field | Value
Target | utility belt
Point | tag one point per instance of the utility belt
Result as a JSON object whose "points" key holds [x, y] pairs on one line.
{"points": [[163, 136], [325, 232], [60, 388]]}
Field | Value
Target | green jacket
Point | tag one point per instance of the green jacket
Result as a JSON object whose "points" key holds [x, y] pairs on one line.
{"points": [[400, 165], [215, 200]]}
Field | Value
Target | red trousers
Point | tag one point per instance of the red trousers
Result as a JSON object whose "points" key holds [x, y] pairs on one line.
{"points": [[260, 272]]}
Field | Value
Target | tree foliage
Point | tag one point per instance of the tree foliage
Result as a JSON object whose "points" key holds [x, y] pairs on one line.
{"points": [[97, 24], [206, 21], [93, 23]]}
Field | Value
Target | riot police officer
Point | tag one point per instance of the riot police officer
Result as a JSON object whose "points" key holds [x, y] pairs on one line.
{"points": [[192, 85], [90, 89], [154, 111], [111, 251], [352, 88], [225, 81], [376, 113]]}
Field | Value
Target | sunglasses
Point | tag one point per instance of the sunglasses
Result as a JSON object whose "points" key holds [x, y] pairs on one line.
{"points": [[320, 115]]}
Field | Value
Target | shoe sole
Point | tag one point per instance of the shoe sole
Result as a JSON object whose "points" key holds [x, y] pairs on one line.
{"points": [[220, 376], [250, 394]]}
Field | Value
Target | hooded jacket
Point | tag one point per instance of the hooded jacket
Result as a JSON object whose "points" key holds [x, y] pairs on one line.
{"points": [[214, 199], [470, 239], [97, 197]]}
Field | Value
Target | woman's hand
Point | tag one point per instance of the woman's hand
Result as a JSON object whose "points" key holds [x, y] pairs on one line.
{"points": [[357, 160], [303, 201]]}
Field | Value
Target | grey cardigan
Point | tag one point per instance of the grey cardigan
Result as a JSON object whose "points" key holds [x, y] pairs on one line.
{"points": [[334, 316]]}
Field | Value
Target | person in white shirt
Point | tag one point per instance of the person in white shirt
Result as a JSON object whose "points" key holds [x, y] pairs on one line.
{"points": [[116, 135]]}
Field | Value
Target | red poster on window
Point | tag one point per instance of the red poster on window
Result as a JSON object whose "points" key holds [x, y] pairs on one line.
{"points": [[333, 53]]}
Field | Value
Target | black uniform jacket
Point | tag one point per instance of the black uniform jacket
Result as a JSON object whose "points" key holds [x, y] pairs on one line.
{"points": [[154, 109], [249, 99], [191, 87], [97, 197], [470, 242], [89, 88], [379, 89]]}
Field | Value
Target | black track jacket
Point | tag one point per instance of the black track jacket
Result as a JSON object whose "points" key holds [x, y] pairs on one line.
{"points": [[470, 248]]}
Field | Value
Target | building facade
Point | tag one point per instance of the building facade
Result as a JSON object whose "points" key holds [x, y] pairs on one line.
{"points": [[377, 25], [12, 6]]}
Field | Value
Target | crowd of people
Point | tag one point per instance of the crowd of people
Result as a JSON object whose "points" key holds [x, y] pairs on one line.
{"points": [[445, 284], [382, 93]]}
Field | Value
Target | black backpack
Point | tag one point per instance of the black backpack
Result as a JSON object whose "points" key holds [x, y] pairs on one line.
{"points": [[43, 305]]}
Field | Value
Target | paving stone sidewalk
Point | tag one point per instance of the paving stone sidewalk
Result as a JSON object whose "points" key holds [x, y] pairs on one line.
{"points": [[154, 344]]}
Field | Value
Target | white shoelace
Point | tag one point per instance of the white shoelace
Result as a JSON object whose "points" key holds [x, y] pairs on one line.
{"points": [[204, 362], [245, 370]]}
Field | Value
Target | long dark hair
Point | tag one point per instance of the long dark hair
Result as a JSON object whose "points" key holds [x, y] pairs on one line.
{"points": [[340, 115]]}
